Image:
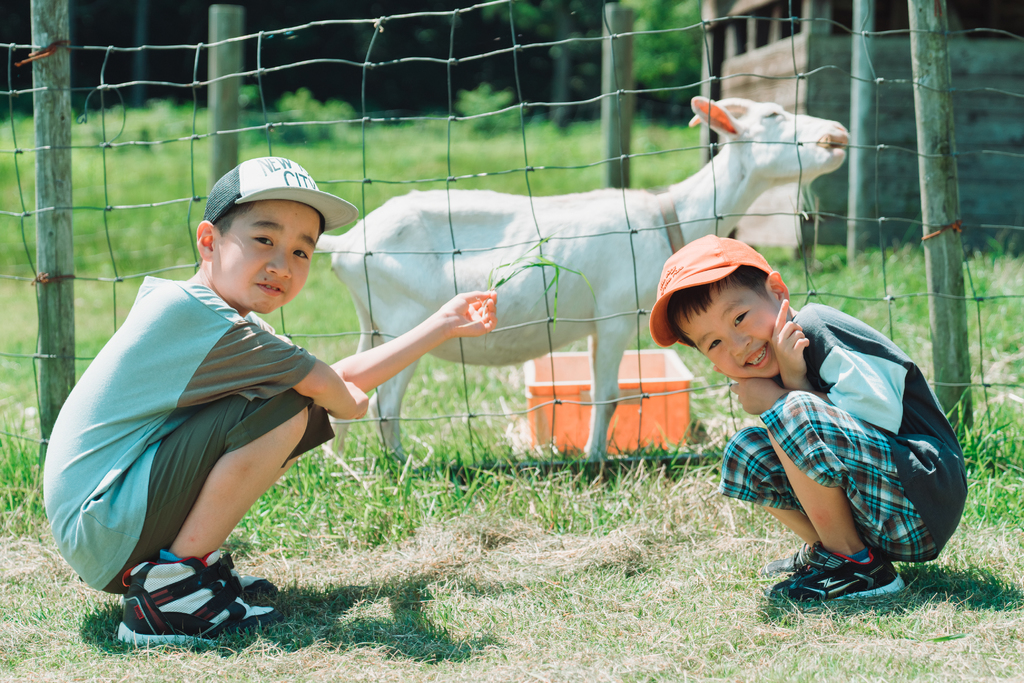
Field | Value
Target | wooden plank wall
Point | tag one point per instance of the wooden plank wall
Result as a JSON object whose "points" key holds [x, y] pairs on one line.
{"points": [[986, 123]]}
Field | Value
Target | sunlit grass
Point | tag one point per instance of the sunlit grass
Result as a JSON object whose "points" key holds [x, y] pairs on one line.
{"points": [[401, 572]]}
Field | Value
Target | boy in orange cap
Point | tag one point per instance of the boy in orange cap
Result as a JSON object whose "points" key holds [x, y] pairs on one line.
{"points": [[856, 457]]}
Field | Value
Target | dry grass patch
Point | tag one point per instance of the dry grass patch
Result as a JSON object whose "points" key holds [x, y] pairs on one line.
{"points": [[485, 597]]}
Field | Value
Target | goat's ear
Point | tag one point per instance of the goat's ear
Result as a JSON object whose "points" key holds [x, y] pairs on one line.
{"points": [[720, 120]]}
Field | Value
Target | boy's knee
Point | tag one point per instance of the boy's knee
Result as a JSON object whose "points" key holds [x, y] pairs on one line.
{"points": [[801, 403]]}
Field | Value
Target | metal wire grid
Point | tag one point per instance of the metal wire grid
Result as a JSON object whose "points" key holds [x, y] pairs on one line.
{"points": [[376, 24]]}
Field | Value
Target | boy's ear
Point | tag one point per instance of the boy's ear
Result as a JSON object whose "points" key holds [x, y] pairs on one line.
{"points": [[205, 234], [776, 287]]}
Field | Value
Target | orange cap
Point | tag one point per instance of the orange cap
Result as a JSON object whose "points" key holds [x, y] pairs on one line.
{"points": [[701, 262]]}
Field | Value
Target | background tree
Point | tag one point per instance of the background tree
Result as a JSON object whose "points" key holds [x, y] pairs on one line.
{"points": [[560, 73]]}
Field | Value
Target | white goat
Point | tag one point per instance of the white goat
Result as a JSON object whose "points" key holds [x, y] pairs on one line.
{"points": [[405, 248]]}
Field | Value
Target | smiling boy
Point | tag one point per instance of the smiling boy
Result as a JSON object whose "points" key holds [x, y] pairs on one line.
{"points": [[194, 408], [856, 457]]}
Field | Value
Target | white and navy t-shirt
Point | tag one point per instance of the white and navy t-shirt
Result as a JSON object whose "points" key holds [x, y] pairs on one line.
{"points": [[867, 375], [181, 347]]}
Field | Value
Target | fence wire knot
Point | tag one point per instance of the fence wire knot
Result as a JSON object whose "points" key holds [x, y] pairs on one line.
{"points": [[955, 226], [46, 278], [45, 52]]}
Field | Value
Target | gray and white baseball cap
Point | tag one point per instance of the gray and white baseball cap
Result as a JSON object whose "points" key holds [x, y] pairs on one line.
{"points": [[276, 178]]}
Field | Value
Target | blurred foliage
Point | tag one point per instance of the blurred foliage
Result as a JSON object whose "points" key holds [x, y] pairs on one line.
{"points": [[301, 106], [404, 83], [484, 100], [667, 60]]}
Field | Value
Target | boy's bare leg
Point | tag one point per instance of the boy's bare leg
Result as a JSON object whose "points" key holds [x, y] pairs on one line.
{"points": [[828, 509], [234, 484], [797, 522]]}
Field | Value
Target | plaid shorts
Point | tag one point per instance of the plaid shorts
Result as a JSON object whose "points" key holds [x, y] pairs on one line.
{"points": [[834, 449]]}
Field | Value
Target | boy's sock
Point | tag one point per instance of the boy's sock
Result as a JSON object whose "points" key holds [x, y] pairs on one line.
{"points": [[863, 556], [168, 556]]}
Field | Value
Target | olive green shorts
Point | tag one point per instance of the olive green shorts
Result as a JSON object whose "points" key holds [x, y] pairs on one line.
{"points": [[185, 457]]}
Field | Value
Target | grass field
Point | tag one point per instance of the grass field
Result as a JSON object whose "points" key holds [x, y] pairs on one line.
{"points": [[391, 574]]}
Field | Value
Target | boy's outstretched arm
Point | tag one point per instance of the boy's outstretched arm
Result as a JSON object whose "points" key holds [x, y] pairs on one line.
{"points": [[341, 388], [471, 314]]}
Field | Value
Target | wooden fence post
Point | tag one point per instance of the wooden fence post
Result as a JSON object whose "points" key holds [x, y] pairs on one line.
{"points": [[55, 263], [617, 110], [226, 21], [940, 205], [861, 196]]}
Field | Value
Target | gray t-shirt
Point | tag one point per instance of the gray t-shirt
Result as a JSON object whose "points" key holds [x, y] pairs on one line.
{"points": [[181, 347]]}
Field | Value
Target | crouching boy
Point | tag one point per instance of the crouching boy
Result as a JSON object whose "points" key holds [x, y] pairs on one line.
{"points": [[856, 456], [195, 407]]}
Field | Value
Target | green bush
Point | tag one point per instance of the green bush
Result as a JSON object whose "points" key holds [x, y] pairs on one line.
{"points": [[484, 100], [301, 106]]}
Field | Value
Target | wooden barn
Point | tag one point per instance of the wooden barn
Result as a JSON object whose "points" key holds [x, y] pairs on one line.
{"points": [[755, 50]]}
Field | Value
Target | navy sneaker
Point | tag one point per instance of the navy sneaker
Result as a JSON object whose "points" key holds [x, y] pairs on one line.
{"points": [[787, 565], [830, 576], [188, 601]]}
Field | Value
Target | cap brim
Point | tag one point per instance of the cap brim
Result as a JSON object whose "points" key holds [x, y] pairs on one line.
{"points": [[661, 331], [335, 210]]}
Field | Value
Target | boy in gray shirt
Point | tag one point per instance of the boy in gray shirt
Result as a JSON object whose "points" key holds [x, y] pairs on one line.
{"points": [[195, 407]]}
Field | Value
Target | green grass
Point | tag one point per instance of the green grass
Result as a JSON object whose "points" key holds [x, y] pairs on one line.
{"points": [[390, 573]]}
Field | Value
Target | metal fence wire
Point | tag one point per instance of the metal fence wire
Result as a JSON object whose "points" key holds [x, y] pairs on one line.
{"points": [[105, 101]]}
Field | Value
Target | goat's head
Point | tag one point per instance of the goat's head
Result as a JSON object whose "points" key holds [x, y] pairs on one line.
{"points": [[767, 133]]}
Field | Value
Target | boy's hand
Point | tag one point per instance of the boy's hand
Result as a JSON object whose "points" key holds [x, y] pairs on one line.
{"points": [[470, 314], [757, 394], [789, 343]]}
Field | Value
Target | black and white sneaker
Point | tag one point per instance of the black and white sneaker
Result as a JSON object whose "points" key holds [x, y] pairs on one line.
{"points": [[830, 576], [787, 565], [188, 601], [253, 587]]}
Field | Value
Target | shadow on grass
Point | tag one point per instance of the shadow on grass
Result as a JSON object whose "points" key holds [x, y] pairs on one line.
{"points": [[322, 617], [339, 617], [971, 589]]}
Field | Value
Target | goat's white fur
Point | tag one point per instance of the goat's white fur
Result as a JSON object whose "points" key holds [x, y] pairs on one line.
{"points": [[588, 232]]}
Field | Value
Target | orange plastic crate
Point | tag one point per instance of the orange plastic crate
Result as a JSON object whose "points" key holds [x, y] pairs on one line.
{"points": [[664, 418]]}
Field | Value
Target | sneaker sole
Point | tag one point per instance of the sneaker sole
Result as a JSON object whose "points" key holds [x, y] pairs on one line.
{"points": [[894, 587], [126, 635]]}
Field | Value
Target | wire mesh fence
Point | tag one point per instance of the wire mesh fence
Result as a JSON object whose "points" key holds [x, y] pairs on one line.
{"points": [[140, 182]]}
